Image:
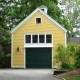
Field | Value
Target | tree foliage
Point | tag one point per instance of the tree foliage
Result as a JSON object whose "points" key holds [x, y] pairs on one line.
{"points": [[77, 57], [72, 14]]}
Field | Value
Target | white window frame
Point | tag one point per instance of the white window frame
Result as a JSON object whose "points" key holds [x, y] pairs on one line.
{"points": [[44, 38], [32, 39], [38, 44], [51, 39], [36, 18]]}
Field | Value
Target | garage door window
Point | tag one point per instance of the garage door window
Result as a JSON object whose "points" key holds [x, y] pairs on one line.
{"points": [[28, 39], [48, 38]]}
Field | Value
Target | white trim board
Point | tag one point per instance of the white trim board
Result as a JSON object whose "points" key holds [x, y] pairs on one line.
{"points": [[12, 50], [65, 39], [34, 45], [24, 58], [27, 18]]}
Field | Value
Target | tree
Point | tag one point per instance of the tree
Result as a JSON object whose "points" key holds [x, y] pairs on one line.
{"points": [[4, 36], [68, 26], [72, 13], [15, 11]]}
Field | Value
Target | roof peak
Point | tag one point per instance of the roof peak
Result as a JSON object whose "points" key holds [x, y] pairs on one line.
{"points": [[42, 6]]}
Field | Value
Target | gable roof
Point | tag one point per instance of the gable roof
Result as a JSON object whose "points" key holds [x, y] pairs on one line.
{"points": [[27, 18]]}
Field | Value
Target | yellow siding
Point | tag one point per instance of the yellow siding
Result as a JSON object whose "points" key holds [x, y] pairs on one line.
{"points": [[31, 27]]}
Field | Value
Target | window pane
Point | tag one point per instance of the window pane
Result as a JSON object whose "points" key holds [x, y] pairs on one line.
{"points": [[28, 38], [35, 38], [41, 38], [38, 20], [42, 9], [48, 38]]}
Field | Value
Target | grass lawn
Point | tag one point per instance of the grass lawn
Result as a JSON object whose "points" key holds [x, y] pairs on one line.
{"points": [[75, 77]]}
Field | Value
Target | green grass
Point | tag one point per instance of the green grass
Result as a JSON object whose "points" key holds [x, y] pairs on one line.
{"points": [[75, 77]]}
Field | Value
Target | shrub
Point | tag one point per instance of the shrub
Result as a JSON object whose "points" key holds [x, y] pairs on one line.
{"points": [[77, 57], [65, 65], [5, 59], [65, 54], [61, 55]]}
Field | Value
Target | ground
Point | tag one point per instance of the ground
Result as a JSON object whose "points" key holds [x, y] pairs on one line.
{"points": [[68, 74], [27, 74]]}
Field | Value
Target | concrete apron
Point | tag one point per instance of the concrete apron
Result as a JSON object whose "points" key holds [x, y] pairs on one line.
{"points": [[30, 74]]}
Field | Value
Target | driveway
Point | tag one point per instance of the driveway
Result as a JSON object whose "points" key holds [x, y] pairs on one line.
{"points": [[27, 74]]}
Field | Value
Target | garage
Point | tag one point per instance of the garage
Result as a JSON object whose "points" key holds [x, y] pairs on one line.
{"points": [[38, 57]]}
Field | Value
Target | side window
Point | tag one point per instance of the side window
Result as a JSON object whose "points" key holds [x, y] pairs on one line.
{"points": [[38, 20], [48, 38], [41, 38], [28, 39], [34, 38]]}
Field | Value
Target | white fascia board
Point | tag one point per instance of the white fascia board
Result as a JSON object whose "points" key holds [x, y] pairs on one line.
{"points": [[34, 45], [25, 20], [53, 21]]}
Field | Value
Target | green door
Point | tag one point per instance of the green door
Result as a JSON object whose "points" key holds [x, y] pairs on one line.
{"points": [[38, 57]]}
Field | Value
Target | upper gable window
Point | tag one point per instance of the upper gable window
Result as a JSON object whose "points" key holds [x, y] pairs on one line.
{"points": [[38, 20]]}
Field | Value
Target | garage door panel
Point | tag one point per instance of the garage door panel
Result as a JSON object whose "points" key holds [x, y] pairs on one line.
{"points": [[38, 57]]}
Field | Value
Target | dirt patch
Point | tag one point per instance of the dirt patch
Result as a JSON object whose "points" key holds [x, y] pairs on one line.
{"points": [[71, 73]]}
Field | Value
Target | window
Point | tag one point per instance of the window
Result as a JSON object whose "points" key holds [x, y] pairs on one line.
{"points": [[28, 39], [38, 20], [41, 39], [48, 38], [38, 38], [34, 38], [42, 9]]}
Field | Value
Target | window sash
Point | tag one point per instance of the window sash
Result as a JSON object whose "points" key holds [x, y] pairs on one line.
{"points": [[41, 38], [34, 38], [38, 38], [28, 39], [48, 38]]}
